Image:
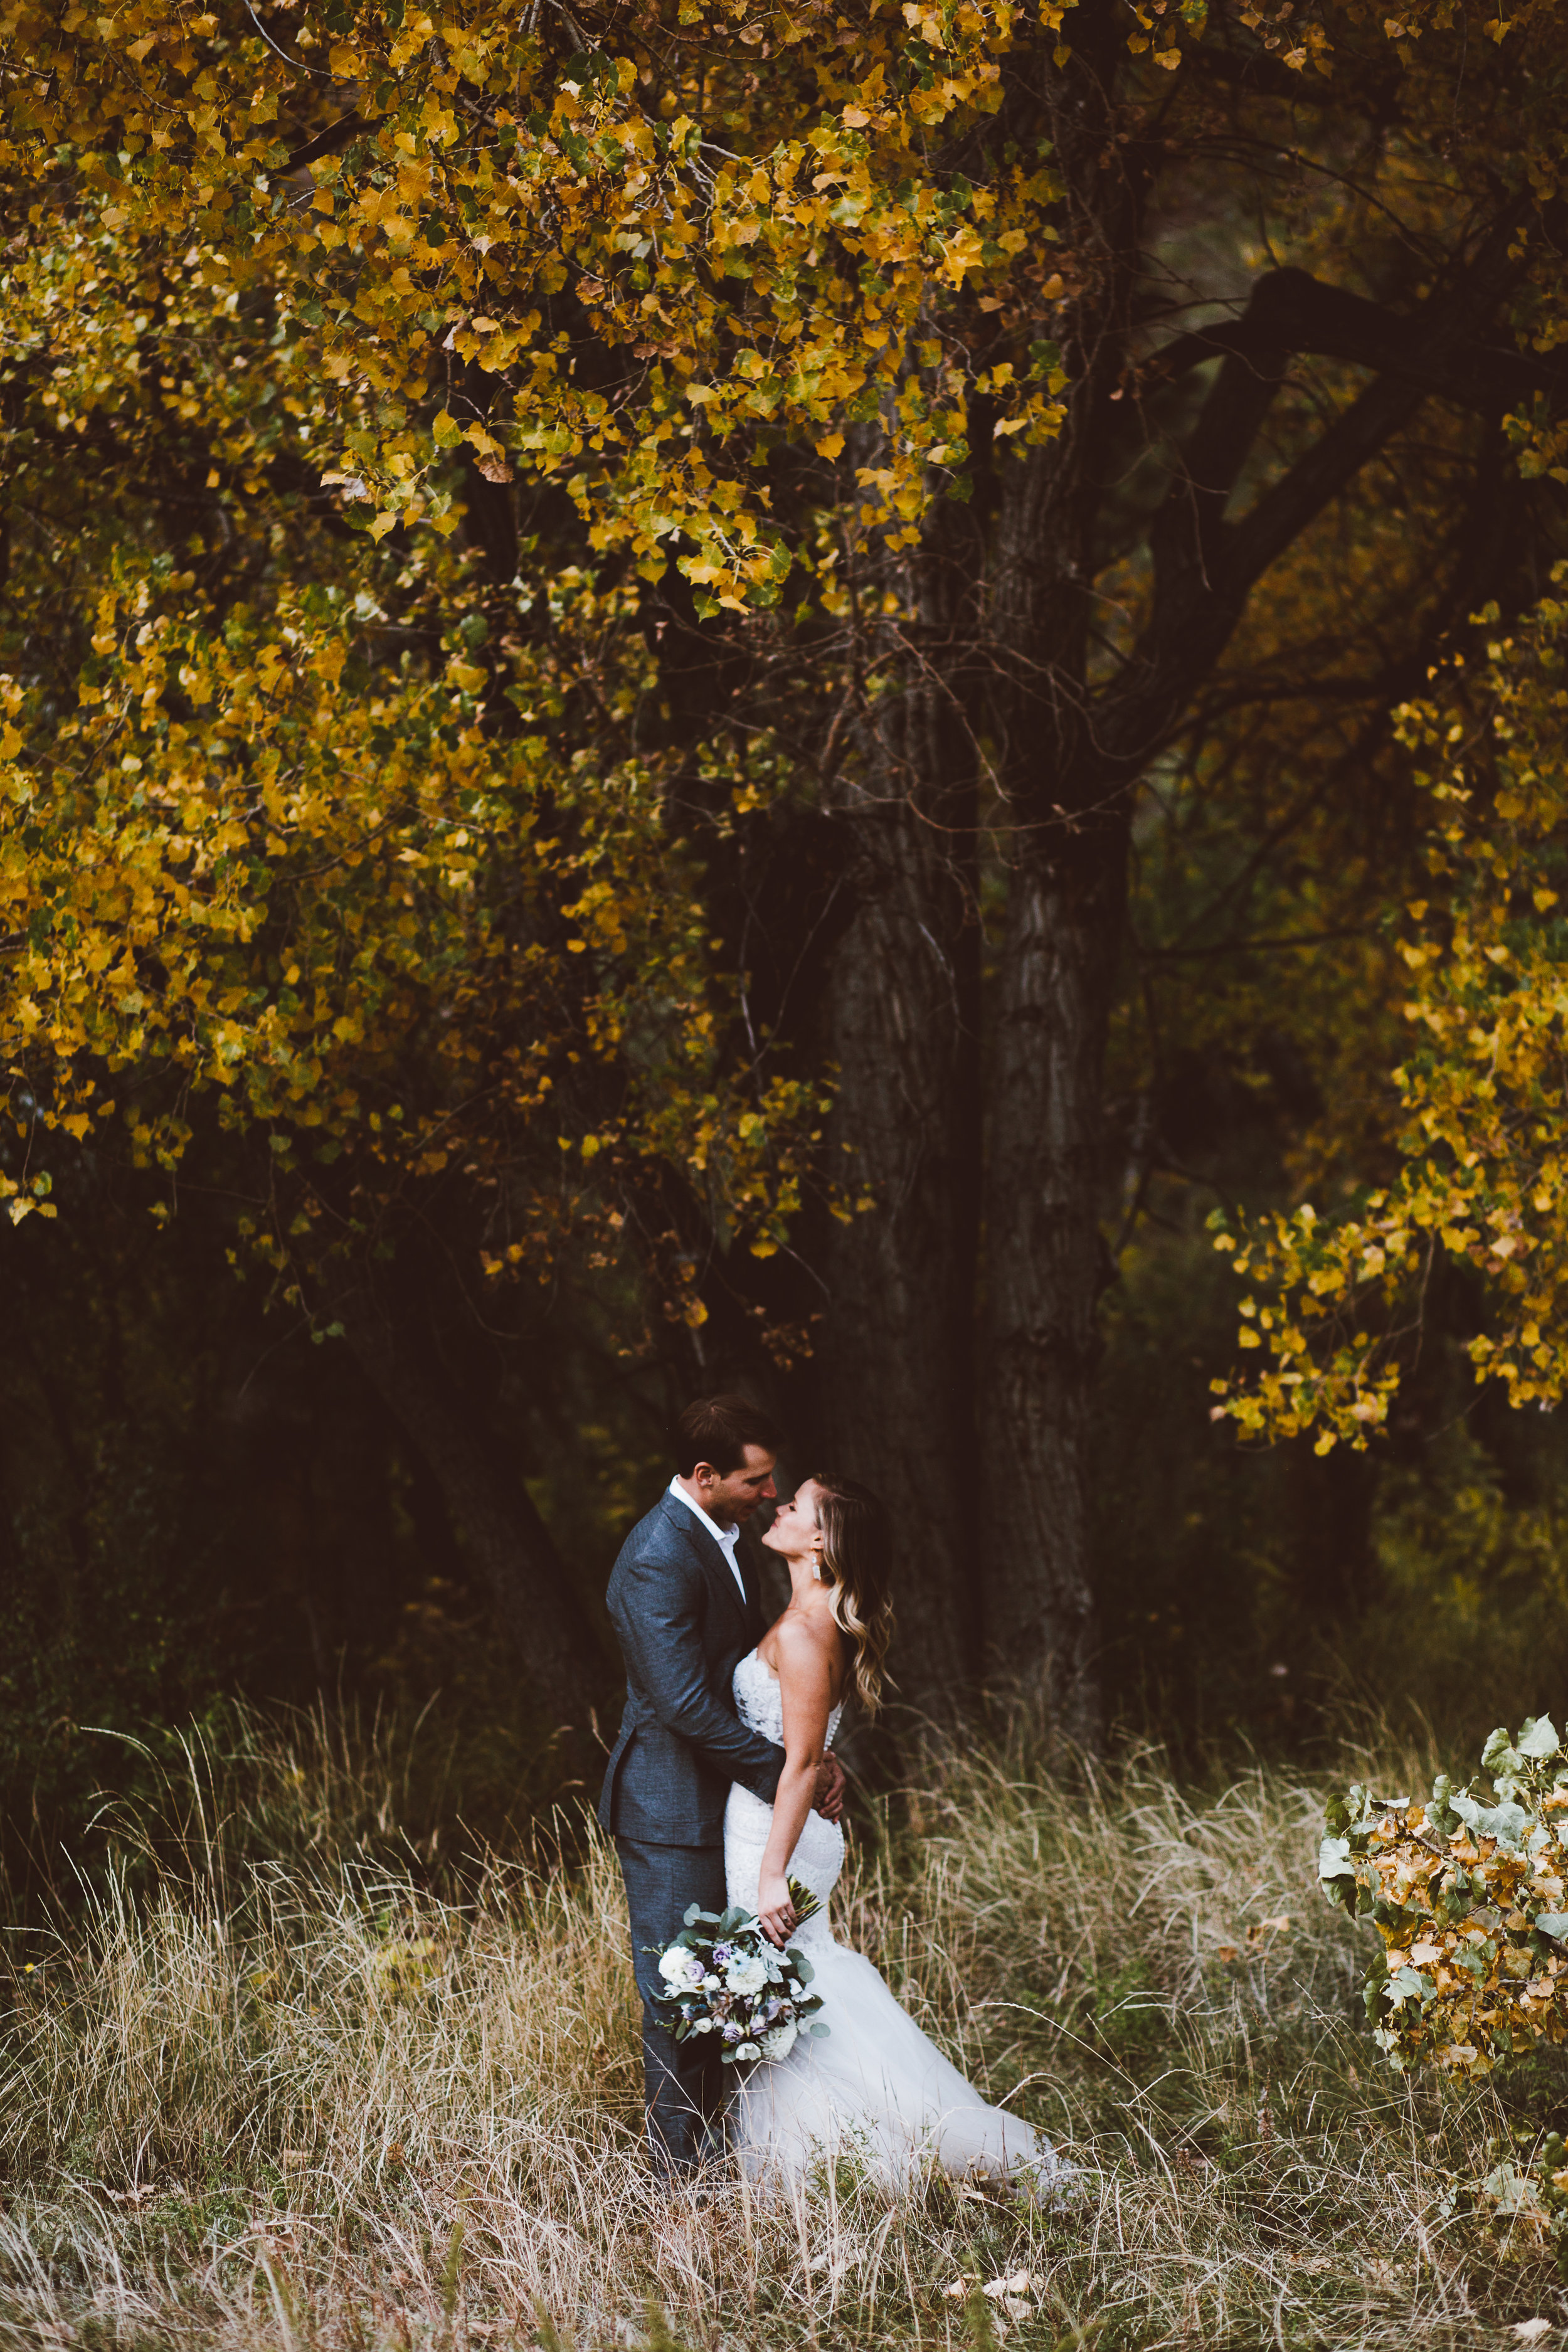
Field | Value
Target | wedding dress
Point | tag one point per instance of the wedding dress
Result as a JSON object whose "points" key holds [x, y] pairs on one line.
{"points": [[874, 2086]]}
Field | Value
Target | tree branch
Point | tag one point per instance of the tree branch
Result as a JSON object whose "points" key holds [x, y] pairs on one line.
{"points": [[327, 143], [1294, 312], [1205, 567], [1255, 74]]}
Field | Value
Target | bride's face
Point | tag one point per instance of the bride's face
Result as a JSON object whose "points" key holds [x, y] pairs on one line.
{"points": [[795, 1529]]}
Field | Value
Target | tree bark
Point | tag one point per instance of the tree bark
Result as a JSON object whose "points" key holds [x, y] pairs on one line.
{"points": [[900, 1015], [1045, 1266], [548, 1635], [1066, 847]]}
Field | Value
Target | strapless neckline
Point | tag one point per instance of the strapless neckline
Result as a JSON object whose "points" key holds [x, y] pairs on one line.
{"points": [[760, 1699]]}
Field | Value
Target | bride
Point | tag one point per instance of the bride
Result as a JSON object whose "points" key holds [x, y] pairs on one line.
{"points": [[874, 2085]]}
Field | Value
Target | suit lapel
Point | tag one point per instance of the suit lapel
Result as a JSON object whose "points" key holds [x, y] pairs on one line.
{"points": [[715, 1565], [754, 1589]]}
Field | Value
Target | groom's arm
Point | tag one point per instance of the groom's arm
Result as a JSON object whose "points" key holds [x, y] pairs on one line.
{"points": [[656, 1616]]}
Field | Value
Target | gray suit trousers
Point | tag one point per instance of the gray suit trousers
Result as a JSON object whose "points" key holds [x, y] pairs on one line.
{"points": [[686, 2081]]}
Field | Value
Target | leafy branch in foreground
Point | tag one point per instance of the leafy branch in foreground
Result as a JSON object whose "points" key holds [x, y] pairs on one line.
{"points": [[1467, 1899], [1483, 1178]]}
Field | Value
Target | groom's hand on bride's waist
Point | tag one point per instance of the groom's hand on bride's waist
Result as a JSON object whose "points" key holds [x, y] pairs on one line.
{"points": [[828, 1799]]}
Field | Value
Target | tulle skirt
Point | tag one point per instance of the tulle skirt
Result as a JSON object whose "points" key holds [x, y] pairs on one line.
{"points": [[874, 2087]]}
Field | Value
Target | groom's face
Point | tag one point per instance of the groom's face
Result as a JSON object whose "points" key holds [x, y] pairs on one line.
{"points": [[729, 1496]]}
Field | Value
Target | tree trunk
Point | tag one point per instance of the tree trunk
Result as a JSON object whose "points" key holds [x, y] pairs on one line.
{"points": [[557, 1656], [899, 1011], [1065, 831], [1045, 1266]]}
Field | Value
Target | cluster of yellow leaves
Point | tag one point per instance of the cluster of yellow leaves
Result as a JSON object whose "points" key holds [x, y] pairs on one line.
{"points": [[716, 248], [259, 859], [664, 262], [1483, 1095], [1468, 1900]]}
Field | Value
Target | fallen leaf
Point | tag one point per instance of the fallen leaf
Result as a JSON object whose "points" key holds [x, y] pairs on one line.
{"points": [[1262, 1927]]}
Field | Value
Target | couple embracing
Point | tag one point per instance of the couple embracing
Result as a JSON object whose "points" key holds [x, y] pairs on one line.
{"points": [[722, 1786]]}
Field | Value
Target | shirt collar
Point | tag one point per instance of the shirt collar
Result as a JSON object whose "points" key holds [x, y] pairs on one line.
{"points": [[724, 1537]]}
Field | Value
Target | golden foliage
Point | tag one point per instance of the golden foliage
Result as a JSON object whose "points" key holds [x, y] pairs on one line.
{"points": [[728, 279], [1483, 1178], [1467, 1899], [661, 260]]}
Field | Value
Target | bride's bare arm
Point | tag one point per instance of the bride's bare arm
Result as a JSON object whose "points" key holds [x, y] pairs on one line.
{"points": [[806, 1687]]}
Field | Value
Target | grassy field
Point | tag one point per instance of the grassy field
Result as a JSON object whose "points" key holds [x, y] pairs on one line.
{"points": [[281, 2095]]}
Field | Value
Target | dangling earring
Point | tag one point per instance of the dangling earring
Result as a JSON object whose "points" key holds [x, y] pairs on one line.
{"points": [[817, 1568]]}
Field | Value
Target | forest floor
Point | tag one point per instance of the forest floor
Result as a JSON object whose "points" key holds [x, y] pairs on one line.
{"points": [[294, 2101]]}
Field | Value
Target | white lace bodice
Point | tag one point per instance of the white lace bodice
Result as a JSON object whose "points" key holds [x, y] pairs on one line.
{"points": [[758, 1701], [818, 1856]]}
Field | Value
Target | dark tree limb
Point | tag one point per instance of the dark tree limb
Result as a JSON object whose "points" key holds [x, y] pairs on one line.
{"points": [[1294, 312], [1255, 74], [337, 134], [1205, 568]]}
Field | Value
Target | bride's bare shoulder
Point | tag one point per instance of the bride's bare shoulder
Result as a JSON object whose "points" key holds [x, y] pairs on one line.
{"points": [[802, 1650]]}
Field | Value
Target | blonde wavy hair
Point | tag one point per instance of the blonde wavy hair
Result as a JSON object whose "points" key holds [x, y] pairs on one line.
{"points": [[857, 1565]]}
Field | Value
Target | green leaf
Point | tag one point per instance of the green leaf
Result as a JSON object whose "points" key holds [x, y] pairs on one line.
{"points": [[1334, 1858]]}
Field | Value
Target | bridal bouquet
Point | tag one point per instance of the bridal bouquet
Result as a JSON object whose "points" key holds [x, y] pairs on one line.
{"points": [[725, 1978]]}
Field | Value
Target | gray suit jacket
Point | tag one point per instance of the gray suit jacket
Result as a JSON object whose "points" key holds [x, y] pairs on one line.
{"points": [[683, 1630]]}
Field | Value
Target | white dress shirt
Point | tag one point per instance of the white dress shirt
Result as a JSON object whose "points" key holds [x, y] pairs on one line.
{"points": [[725, 1538]]}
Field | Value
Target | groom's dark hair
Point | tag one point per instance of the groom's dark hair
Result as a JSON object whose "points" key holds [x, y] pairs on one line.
{"points": [[719, 1430]]}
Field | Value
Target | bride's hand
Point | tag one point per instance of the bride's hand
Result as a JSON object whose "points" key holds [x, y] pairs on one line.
{"points": [[776, 1912]]}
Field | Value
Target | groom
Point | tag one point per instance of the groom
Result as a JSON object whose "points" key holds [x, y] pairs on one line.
{"points": [[687, 1608]]}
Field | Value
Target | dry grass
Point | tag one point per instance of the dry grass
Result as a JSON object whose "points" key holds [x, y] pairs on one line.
{"points": [[298, 2102]]}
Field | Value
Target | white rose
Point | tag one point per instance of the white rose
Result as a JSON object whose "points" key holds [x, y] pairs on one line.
{"points": [[745, 1976], [747, 2050], [778, 2041], [676, 1965]]}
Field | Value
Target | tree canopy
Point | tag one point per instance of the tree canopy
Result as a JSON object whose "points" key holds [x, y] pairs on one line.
{"points": [[706, 652]]}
